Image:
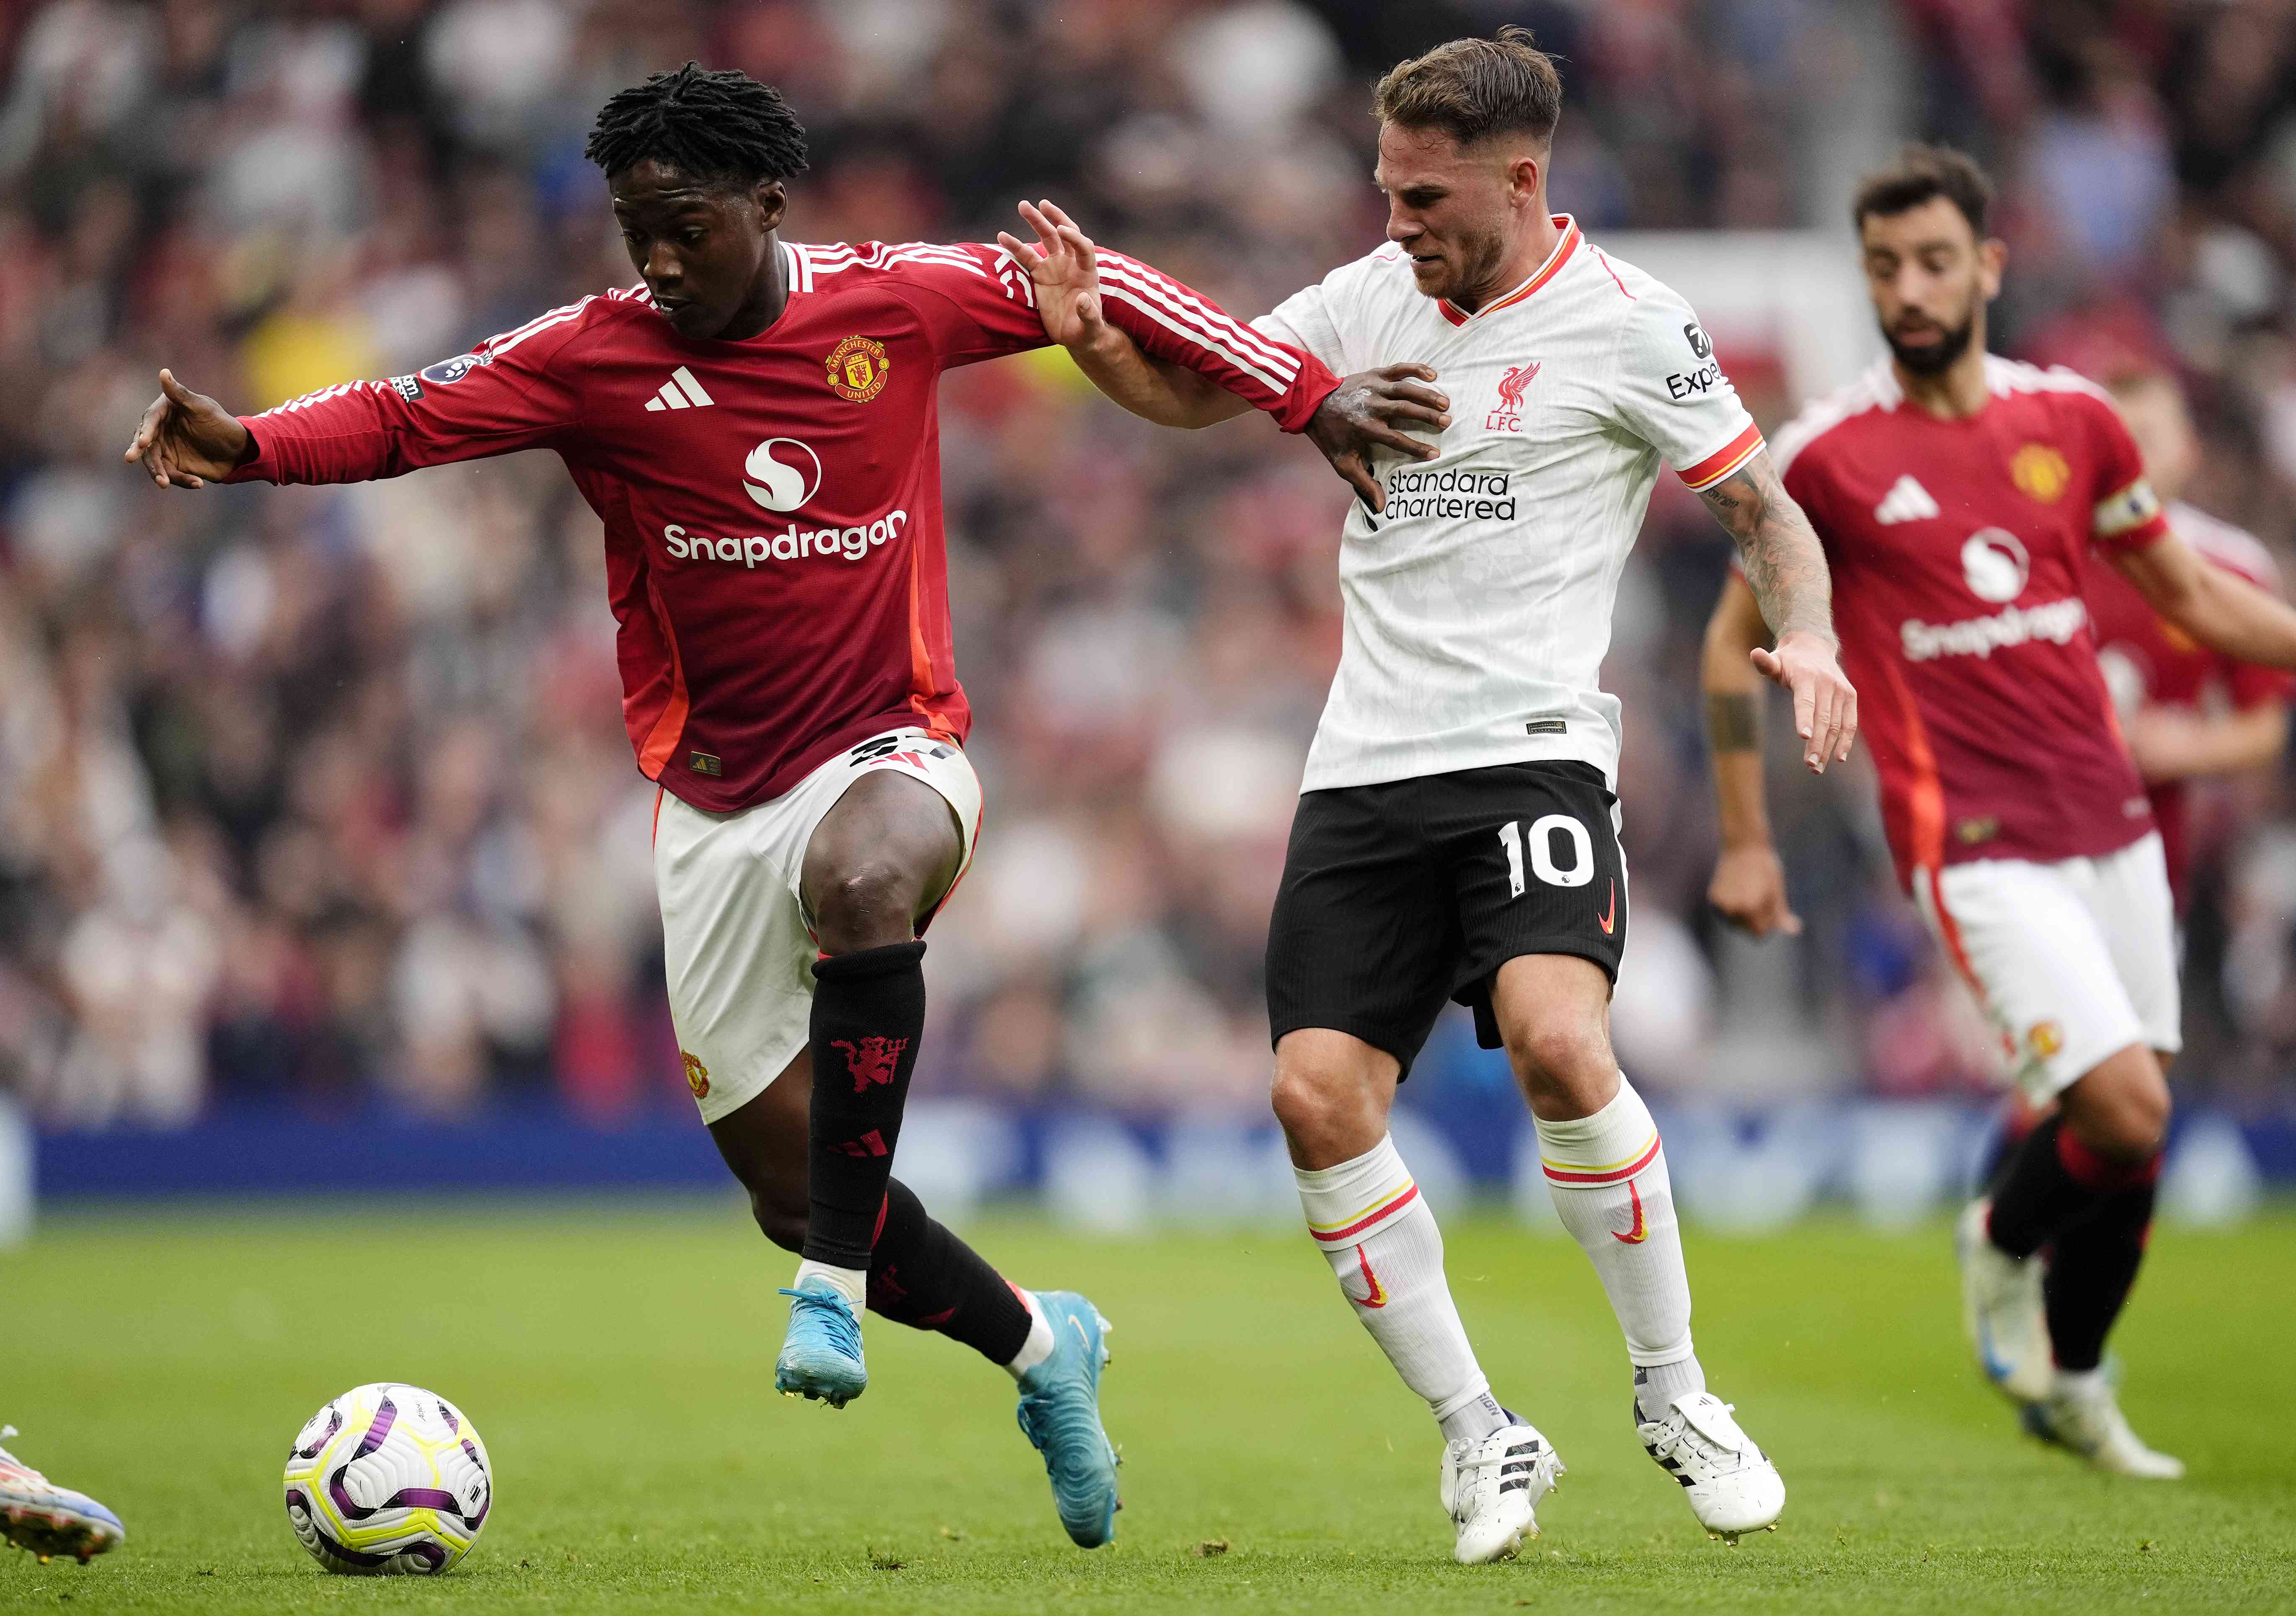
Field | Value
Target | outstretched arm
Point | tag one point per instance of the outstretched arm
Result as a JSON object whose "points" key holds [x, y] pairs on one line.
{"points": [[505, 395], [1786, 569], [1749, 888], [1368, 410], [2221, 609]]}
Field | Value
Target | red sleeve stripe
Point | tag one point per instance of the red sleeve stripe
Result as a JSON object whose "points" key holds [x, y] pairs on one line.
{"points": [[1181, 296], [1215, 323], [1723, 460], [1277, 379], [1211, 326]]}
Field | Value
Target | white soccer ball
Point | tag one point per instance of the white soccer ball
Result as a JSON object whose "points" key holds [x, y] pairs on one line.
{"points": [[388, 1479]]}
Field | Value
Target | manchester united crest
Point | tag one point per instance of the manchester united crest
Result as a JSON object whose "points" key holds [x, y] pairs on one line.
{"points": [[2040, 472], [697, 1076], [857, 369]]}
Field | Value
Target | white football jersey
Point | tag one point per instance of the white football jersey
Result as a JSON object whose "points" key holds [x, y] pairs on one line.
{"points": [[1478, 603]]}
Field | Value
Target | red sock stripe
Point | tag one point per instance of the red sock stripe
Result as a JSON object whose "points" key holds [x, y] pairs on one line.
{"points": [[884, 1207], [1357, 1229], [2094, 1169], [1617, 1174]]}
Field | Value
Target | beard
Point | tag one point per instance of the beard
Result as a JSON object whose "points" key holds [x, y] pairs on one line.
{"points": [[1937, 357], [1475, 266]]}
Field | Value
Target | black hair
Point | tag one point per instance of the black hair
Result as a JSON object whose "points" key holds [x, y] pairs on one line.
{"points": [[721, 126], [1922, 174]]}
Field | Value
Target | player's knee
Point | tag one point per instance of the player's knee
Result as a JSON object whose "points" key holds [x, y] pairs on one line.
{"points": [[1313, 1107], [1560, 1056], [1298, 1100], [872, 904], [2136, 1125], [2126, 1117]]}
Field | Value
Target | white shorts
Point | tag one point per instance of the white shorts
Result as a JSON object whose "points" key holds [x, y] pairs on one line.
{"points": [[2072, 962], [737, 942]]}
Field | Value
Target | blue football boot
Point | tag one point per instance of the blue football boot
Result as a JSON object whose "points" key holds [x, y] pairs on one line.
{"points": [[820, 1355], [48, 1519], [1060, 1413]]}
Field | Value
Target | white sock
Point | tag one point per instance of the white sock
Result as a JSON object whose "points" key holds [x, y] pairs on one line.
{"points": [[1658, 1386], [1607, 1174], [851, 1283], [1368, 1218], [2079, 1382], [1038, 1347]]}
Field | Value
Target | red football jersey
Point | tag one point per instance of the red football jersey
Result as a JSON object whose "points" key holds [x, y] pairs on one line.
{"points": [[2151, 661], [1960, 551], [772, 506]]}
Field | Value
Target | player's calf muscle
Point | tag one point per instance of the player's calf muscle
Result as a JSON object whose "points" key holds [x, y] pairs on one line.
{"points": [[764, 1147]]}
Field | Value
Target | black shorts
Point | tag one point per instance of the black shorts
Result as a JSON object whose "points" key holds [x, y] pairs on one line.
{"points": [[1397, 897]]}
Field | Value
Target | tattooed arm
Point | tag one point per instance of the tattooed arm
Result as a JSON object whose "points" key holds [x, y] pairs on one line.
{"points": [[1785, 567], [1749, 888]]}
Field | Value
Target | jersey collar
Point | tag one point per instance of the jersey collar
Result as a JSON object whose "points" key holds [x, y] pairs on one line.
{"points": [[1539, 277]]}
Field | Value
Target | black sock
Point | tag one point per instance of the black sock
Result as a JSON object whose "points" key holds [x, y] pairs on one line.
{"points": [[923, 1277], [868, 1013], [2040, 1194], [2092, 1263]]}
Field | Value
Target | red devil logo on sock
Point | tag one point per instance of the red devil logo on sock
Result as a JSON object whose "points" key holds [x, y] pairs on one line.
{"points": [[872, 1062]]}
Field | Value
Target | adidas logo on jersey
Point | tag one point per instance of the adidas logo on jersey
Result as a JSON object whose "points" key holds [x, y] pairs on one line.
{"points": [[1906, 501], [680, 392]]}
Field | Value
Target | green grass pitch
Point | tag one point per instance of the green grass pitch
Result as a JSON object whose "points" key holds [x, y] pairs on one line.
{"points": [[619, 1361]]}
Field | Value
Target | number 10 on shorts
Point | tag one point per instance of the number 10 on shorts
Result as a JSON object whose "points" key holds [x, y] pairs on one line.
{"points": [[1540, 841]]}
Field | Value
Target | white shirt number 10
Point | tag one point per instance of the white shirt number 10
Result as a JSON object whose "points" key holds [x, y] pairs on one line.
{"points": [[1541, 840]]}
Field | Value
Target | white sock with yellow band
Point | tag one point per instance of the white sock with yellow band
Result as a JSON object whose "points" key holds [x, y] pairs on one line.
{"points": [[1368, 1218], [1607, 1174]]}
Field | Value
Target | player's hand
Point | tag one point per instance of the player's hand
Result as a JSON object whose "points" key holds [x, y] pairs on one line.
{"points": [[1369, 410], [1066, 274], [1748, 890], [186, 440], [1826, 707]]}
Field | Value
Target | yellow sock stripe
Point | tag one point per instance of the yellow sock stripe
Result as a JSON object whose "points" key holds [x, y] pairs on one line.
{"points": [[1330, 1231], [1627, 1160]]}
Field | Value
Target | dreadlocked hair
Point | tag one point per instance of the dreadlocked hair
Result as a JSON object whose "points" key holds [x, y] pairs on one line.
{"points": [[722, 126]]}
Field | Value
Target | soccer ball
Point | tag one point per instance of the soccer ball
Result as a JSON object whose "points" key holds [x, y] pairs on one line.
{"points": [[388, 1479]]}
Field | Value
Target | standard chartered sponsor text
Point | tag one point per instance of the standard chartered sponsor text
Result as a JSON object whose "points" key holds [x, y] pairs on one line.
{"points": [[793, 543], [1981, 636], [1460, 493]]}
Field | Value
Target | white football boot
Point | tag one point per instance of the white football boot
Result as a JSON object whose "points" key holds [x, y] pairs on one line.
{"points": [[2001, 1309], [1731, 1484], [1492, 1489], [2082, 1414]]}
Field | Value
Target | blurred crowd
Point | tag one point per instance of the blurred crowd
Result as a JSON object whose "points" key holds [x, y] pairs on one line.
{"points": [[321, 797]]}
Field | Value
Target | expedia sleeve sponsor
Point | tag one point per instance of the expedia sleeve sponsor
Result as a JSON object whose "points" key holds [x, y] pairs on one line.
{"points": [[2127, 510], [1459, 494]]}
